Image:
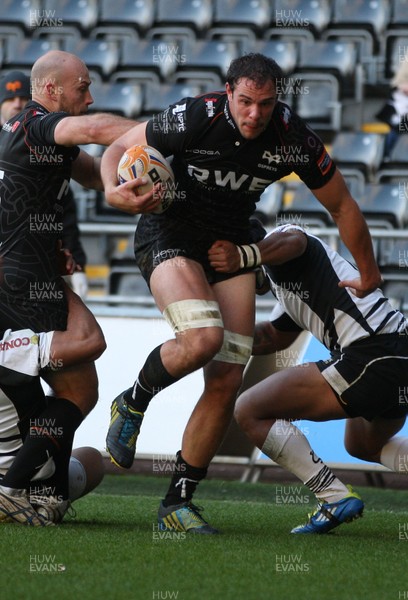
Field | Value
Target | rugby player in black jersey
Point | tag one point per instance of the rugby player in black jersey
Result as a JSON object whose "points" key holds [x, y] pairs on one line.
{"points": [[227, 147], [364, 381], [38, 155]]}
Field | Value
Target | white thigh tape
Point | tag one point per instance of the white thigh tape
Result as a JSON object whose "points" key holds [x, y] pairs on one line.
{"points": [[20, 355], [236, 348], [191, 314]]}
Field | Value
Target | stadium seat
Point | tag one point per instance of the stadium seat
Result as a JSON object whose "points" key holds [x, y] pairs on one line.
{"points": [[157, 56], [244, 38], [160, 97], [67, 36], [302, 208], [118, 97], [209, 55], [285, 52], [27, 14], [331, 56], [81, 13], [270, 204], [303, 13], [27, 52], [359, 150], [396, 168], [316, 98], [395, 47], [365, 14], [126, 280], [255, 15], [399, 14], [384, 205], [99, 55], [139, 14], [197, 15], [10, 38]]}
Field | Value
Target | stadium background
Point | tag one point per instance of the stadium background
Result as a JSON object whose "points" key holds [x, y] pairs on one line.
{"points": [[338, 58]]}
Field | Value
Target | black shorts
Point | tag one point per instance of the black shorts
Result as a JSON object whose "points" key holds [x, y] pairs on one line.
{"points": [[29, 314], [159, 238], [370, 377]]}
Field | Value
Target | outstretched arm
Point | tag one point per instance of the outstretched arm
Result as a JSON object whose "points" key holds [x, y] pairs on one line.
{"points": [[336, 198]]}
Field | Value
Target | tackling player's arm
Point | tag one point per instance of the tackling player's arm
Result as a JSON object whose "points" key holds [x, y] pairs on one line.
{"points": [[276, 249], [336, 198], [100, 128], [268, 339]]}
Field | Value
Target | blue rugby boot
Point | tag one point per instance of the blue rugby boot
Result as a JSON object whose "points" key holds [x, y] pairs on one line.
{"points": [[123, 431]]}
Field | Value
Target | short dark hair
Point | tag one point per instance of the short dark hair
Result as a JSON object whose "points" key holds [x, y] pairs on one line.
{"points": [[254, 66]]}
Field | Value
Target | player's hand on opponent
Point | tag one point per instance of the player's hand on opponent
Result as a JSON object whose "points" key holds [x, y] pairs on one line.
{"points": [[124, 197], [224, 256], [360, 288], [65, 260]]}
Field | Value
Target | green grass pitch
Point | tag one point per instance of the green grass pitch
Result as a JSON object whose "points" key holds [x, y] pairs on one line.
{"points": [[112, 550]]}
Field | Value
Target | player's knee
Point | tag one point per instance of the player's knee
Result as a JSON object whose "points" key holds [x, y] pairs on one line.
{"points": [[243, 414], [357, 449], [200, 345]]}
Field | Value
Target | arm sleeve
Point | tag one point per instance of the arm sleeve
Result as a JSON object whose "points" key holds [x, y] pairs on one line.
{"points": [[311, 161], [40, 132], [171, 130], [282, 321]]}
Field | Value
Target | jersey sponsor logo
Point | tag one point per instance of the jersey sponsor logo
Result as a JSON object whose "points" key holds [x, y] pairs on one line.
{"points": [[179, 111], [210, 106], [17, 342], [205, 152], [228, 179], [324, 163], [11, 127]]}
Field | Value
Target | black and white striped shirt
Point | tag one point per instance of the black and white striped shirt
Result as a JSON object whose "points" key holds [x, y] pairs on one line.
{"points": [[309, 298]]}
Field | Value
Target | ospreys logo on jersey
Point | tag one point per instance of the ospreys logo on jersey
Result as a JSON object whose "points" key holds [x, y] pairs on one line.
{"points": [[210, 106]]}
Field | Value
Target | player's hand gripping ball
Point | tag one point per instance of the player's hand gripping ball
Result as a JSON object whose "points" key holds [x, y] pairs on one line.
{"points": [[147, 162]]}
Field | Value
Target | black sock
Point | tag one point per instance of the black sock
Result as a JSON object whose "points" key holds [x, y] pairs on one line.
{"points": [[51, 433], [184, 482], [152, 379]]}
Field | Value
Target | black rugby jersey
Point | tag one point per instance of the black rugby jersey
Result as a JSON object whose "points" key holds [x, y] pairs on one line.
{"points": [[219, 174], [34, 178], [310, 299]]}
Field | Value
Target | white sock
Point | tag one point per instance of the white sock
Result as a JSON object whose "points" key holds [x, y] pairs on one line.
{"points": [[394, 454], [289, 448]]}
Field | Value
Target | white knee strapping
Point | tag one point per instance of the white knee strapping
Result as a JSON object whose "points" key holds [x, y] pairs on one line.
{"points": [[192, 314], [236, 348]]}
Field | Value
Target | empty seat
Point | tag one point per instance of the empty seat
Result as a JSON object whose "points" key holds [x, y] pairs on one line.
{"points": [[28, 51], [10, 38], [99, 55], [393, 256], [66, 36], [256, 15], [338, 58], [360, 150], [369, 14], [27, 14], [160, 97], [270, 203], [138, 14], [193, 13], [399, 14], [284, 52], [303, 13], [302, 208], [316, 98], [82, 13], [395, 47], [159, 56], [384, 205], [119, 97], [212, 55]]}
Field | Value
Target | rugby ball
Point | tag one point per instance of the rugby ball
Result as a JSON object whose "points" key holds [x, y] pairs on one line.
{"points": [[147, 162]]}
